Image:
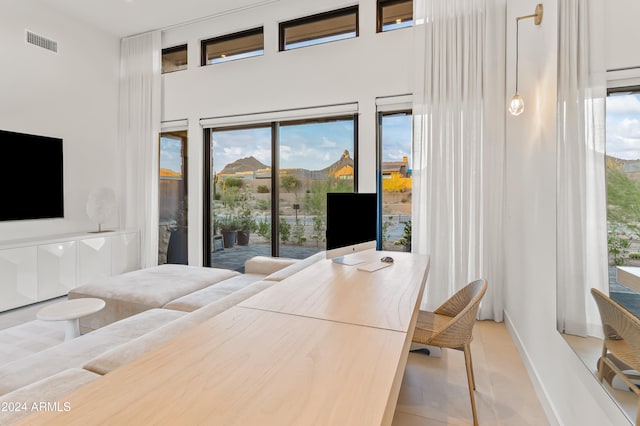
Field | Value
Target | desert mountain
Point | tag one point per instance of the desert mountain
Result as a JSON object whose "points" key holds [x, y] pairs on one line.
{"points": [[345, 160], [251, 164], [247, 164]]}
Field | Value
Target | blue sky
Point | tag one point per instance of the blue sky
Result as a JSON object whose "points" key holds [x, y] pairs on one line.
{"points": [[623, 126], [231, 145], [396, 137], [170, 154]]}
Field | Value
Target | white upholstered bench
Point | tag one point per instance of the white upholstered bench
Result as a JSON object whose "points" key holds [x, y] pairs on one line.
{"points": [[137, 291]]}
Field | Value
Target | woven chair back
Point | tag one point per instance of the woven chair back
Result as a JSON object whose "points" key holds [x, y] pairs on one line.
{"points": [[463, 307], [619, 324]]}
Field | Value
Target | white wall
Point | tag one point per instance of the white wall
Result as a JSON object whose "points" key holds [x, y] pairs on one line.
{"points": [[72, 95], [622, 34], [356, 70], [573, 395], [621, 17]]}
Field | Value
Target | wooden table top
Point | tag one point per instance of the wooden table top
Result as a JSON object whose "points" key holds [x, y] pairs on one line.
{"points": [[385, 298], [629, 276], [248, 367]]}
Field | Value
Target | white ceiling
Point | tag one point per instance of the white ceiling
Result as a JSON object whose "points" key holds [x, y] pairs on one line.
{"points": [[129, 17]]}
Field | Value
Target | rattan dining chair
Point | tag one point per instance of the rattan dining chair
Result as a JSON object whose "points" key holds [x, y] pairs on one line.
{"points": [[451, 325], [621, 346]]}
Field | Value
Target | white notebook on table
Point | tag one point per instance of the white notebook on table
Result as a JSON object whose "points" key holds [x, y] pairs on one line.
{"points": [[373, 266]]}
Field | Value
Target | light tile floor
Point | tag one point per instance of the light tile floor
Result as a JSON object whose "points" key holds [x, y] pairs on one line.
{"points": [[434, 390]]}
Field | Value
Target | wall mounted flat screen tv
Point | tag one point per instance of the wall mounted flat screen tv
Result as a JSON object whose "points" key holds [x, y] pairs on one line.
{"points": [[32, 184], [351, 225]]}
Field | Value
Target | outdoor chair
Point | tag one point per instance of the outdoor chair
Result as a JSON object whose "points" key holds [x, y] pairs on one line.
{"points": [[450, 326]]}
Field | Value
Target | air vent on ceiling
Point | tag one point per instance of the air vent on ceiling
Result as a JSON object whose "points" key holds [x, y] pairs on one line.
{"points": [[40, 41]]}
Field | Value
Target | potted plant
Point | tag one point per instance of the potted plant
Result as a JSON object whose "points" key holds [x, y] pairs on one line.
{"points": [[228, 226], [246, 225], [177, 245]]}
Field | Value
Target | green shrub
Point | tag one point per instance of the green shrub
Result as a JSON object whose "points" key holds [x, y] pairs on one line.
{"points": [[298, 233], [618, 243], [285, 230], [264, 229], [405, 240]]}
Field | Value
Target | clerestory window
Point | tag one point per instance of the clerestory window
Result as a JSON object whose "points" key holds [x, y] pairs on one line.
{"points": [[174, 59], [240, 45], [394, 14], [321, 28]]}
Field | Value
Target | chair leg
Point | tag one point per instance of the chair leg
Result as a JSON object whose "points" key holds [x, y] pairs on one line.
{"points": [[467, 361], [601, 362], [473, 377]]}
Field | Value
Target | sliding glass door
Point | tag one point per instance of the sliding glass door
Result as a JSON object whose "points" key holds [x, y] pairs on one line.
{"points": [[267, 185], [240, 195]]}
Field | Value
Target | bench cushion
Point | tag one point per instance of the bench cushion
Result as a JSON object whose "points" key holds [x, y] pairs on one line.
{"points": [[52, 390], [127, 352], [265, 265], [134, 292], [295, 267], [28, 338], [207, 295], [76, 352]]}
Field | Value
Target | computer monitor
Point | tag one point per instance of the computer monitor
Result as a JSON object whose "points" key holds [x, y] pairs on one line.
{"points": [[351, 225]]}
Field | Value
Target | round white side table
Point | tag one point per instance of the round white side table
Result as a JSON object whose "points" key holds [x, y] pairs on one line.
{"points": [[71, 311]]}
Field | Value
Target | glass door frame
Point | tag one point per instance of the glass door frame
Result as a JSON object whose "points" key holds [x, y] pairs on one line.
{"points": [[275, 178]]}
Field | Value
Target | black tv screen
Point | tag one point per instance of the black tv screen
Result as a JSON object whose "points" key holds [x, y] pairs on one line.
{"points": [[32, 186], [351, 219]]}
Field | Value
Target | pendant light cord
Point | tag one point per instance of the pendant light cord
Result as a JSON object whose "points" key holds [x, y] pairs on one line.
{"points": [[517, 49]]}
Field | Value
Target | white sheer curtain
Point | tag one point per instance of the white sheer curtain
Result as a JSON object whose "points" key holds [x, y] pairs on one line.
{"points": [[582, 233], [139, 124], [459, 110]]}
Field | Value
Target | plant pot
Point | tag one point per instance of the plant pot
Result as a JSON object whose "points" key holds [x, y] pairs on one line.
{"points": [[243, 238], [229, 238]]}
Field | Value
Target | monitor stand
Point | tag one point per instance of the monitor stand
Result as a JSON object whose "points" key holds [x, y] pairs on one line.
{"points": [[349, 260]]}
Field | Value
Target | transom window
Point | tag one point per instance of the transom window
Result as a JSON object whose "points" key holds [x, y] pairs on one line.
{"points": [[244, 44], [321, 28], [394, 14], [174, 59]]}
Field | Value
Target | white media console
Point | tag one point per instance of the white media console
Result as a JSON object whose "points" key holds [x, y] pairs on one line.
{"points": [[33, 270]]}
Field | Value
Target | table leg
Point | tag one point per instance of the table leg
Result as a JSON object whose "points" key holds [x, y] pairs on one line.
{"points": [[73, 329]]}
